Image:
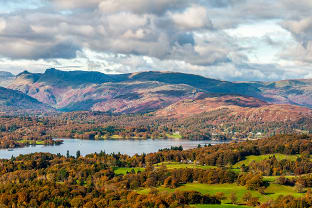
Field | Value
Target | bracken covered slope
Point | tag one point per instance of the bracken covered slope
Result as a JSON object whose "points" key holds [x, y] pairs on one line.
{"points": [[297, 92], [239, 109]]}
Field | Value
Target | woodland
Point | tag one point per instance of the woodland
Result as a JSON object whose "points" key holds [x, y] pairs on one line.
{"points": [[19, 131], [168, 178]]}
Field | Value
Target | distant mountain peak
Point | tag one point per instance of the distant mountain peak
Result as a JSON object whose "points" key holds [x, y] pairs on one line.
{"points": [[53, 75], [6, 74], [52, 69], [23, 72], [6, 78]]}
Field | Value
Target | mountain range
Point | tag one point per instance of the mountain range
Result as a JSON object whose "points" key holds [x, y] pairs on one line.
{"points": [[166, 93]]}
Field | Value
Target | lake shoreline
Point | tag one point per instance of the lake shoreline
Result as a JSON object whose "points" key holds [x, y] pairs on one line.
{"points": [[130, 147]]}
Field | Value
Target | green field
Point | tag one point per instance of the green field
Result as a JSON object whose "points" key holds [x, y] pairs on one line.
{"points": [[115, 137], [123, 171], [274, 178], [258, 158], [177, 165], [271, 192], [212, 189], [274, 190], [38, 142], [174, 136], [218, 206]]}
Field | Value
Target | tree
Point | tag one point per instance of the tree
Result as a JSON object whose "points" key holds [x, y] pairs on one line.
{"points": [[305, 154], [261, 190], [220, 196], [247, 196], [76, 201], [254, 183], [78, 154], [281, 180], [253, 201], [244, 168], [233, 198], [299, 187], [132, 171]]}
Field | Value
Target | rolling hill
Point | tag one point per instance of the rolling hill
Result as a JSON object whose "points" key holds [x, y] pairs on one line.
{"points": [[296, 92], [238, 108], [15, 102]]}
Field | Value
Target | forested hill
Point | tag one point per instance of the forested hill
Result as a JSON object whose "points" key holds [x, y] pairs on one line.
{"points": [[204, 176]]}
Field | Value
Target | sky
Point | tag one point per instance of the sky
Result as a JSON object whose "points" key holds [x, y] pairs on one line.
{"points": [[233, 40]]}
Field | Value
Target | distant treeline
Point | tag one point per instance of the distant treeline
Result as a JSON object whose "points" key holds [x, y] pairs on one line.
{"points": [[18, 131]]}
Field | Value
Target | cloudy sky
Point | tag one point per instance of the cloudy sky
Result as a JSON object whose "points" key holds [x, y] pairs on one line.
{"points": [[237, 40]]}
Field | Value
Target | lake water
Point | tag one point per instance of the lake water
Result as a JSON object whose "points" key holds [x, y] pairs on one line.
{"points": [[129, 147]]}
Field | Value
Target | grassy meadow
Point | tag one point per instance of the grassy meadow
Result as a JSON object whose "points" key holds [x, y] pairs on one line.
{"points": [[123, 171], [271, 192], [258, 158], [177, 165], [219, 206]]}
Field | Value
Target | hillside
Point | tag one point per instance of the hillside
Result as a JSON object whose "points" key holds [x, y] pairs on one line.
{"points": [[238, 108], [143, 92], [118, 97], [124, 93], [196, 81], [12, 101], [297, 92], [6, 78]]}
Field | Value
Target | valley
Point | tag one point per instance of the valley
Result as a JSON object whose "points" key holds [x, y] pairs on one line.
{"points": [[154, 105], [153, 139]]}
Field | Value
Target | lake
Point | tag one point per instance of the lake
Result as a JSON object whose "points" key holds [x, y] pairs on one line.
{"points": [[129, 147]]}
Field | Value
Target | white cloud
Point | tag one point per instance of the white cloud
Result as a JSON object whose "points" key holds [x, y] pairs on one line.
{"points": [[301, 52], [74, 4], [122, 22], [195, 17], [226, 39], [2, 24], [141, 6], [299, 27]]}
